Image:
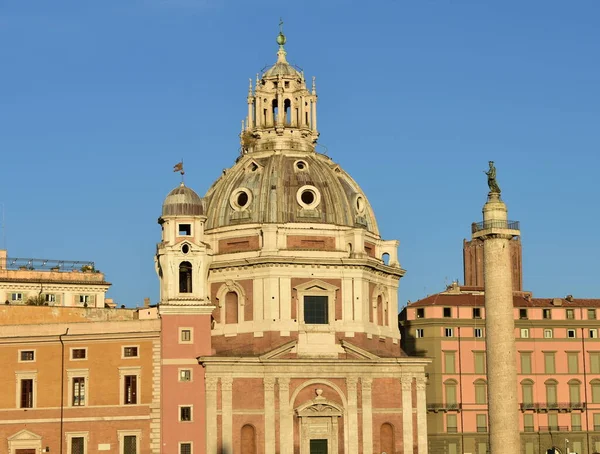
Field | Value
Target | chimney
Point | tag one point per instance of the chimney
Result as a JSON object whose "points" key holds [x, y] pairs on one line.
{"points": [[3, 255], [146, 302]]}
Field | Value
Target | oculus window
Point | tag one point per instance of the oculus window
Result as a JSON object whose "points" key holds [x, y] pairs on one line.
{"points": [[316, 310]]}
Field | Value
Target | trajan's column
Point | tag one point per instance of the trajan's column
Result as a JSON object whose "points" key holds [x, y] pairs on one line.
{"points": [[496, 231]]}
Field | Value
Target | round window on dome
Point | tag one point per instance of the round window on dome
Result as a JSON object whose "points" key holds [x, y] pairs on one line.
{"points": [[360, 203], [300, 165], [308, 197], [240, 199]]}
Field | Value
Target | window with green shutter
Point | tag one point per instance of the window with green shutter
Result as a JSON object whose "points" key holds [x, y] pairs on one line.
{"points": [[573, 362], [479, 359], [595, 362], [449, 363], [525, 362], [549, 363]]}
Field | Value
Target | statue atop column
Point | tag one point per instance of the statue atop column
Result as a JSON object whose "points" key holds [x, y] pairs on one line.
{"points": [[492, 183]]}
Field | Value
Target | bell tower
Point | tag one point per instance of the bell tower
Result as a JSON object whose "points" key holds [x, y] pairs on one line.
{"points": [[282, 111], [182, 262], [181, 257]]}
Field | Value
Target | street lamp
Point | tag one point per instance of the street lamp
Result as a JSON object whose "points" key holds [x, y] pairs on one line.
{"points": [[566, 446]]}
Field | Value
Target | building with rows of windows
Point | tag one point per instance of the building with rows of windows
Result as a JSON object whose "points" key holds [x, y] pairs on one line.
{"points": [[276, 328], [558, 364]]}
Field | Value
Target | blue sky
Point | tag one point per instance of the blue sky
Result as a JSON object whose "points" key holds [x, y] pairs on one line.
{"points": [[100, 99]]}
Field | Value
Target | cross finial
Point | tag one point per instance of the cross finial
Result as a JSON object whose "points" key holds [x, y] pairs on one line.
{"points": [[280, 25]]}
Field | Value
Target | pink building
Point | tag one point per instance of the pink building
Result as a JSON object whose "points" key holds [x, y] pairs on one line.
{"points": [[558, 364]]}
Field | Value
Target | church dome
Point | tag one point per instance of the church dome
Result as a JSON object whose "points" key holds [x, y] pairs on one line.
{"points": [[281, 68], [289, 187], [182, 201]]}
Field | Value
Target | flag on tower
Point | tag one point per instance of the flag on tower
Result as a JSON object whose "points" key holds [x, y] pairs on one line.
{"points": [[178, 167]]}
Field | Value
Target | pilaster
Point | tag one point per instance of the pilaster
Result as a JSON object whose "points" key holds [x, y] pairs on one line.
{"points": [[269, 388], [421, 416], [407, 414], [227, 413], [211, 414], [367, 415], [286, 427], [351, 383]]}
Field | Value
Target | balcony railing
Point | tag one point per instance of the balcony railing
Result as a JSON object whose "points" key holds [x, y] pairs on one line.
{"points": [[554, 428], [13, 263], [452, 430], [494, 224], [575, 428], [552, 406], [482, 429], [435, 407], [529, 429]]}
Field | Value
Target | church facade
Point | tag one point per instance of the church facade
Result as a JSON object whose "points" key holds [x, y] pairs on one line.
{"points": [[279, 300]]}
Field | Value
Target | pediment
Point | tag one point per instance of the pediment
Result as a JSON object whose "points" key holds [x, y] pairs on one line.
{"points": [[280, 351], [357, 351], [316, 285], [319, 407], [24, 435]]}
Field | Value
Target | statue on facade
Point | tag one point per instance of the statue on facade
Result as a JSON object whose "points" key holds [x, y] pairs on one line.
{"points": [[492, 183]]}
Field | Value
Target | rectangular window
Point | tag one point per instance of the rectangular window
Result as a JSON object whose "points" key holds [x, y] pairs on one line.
{"points": [[571, 333], [78, 353], [27, 393], [77, 445], [528, 422], [595, 392], [185, 448], [452, 448], [50, 298], [448, 332], [186, 335], [451, 426], [523, 314], [570, 314], [185, 375], [130, 352], [78, 391], [482, 423], [596, 422], [449, 363], [525, 362], [419, 333], [185, 413], [316, 310], [548, 333], [130, 391], [553, 421], [16, 297], [524, 333], [185, 229], [591, 314], [27, 355], [549, 363], [576, 422], [593, 333], [480, 393], [476, 312], [84, 299], [479, 360], [421, 312], [595, 362], [477, 332], [447, 312], [130, 444], [547, 314], [573, 362]]}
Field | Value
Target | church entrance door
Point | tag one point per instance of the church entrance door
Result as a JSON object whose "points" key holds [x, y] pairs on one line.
{"points": [[318, 446]]}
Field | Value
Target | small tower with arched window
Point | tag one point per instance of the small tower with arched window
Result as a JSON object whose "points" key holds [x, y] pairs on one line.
{"points": [[181, 257]]}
